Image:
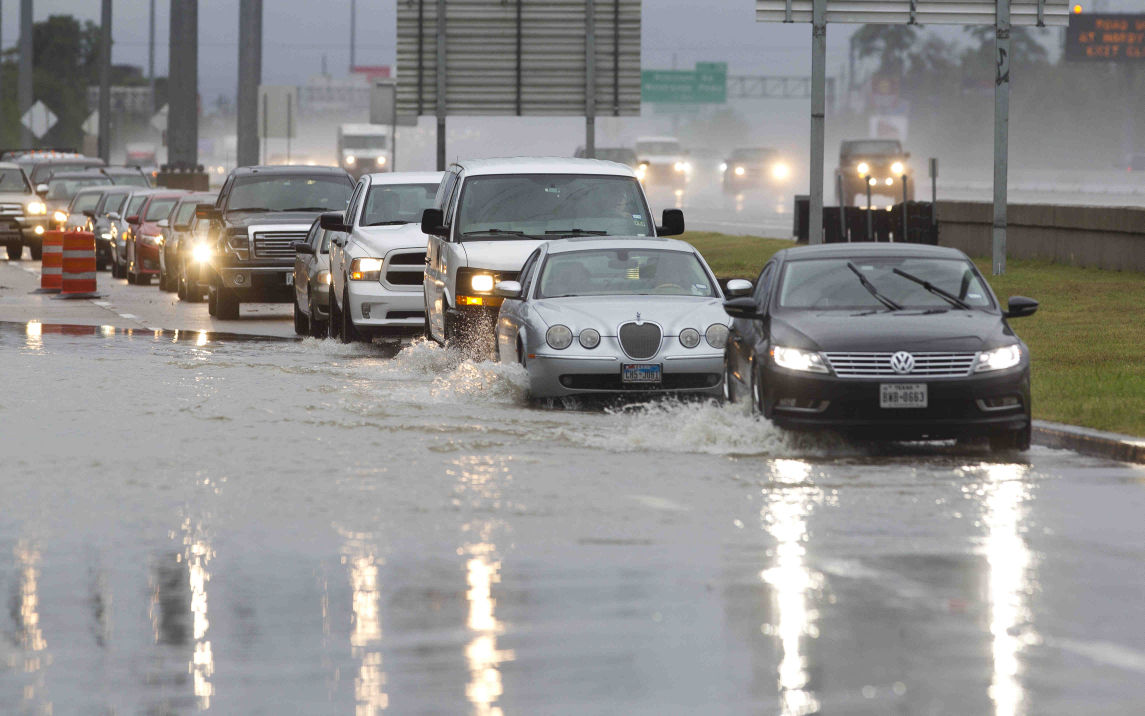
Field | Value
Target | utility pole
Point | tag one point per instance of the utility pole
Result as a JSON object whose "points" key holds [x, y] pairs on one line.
{"points": [[1001, 132], [818, 112], [151, 55], [250, 77], [590, 79], [353, 32], [105, 81], [441, 85], [183, 85], [24, 82]]}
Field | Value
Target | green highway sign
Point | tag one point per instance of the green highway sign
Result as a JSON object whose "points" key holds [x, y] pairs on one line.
{"points": [[707, 84]]}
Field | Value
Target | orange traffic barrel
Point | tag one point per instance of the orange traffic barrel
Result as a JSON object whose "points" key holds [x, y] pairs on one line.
{"points": [[51, 262], [78, 265]]}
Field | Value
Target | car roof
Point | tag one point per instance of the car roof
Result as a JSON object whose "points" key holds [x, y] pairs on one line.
{"points": [[121, 170], [405, 178], [543, 165], [865, 249], [657, 139], [592, 243], [77, 175], [9, 165], [289, 169]]}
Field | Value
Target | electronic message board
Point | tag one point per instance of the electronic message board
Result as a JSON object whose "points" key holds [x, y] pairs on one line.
{"points": [[1106, 38]]}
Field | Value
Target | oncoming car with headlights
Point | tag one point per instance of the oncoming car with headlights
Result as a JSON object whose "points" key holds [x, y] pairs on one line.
{"points": [[756, 168], [615, 316], [885, 341]]}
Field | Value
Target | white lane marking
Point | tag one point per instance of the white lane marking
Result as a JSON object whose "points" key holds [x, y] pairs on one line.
{"points": [[1103, 652], [105, 304], [659, 503], [129, 315]]}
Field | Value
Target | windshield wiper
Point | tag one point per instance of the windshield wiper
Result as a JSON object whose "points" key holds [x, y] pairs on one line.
{"points": [[872, 290], [494, 232], [576, 232], [954, 300], [249, 208], [395, 222], [308, 208]]}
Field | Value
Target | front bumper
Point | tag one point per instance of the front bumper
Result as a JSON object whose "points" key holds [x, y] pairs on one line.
{"points": [[597, 372], [258, 283], [803, 401], [146, 259], [374, 306], [11, 233], [28, 225]]}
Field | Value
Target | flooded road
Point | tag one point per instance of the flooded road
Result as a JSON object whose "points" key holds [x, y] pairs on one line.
{"points": [[193, 523]]}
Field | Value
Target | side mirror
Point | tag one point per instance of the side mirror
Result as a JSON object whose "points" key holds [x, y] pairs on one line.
{"points": [[742, 308], [1021, 306], [207, 212], [507, 289], [133, 219], [672, 223], [738, 287], [163, 224], [301, 247], [113, 215], [333, 221], [432, 223], [90, 214], [41, 189]]}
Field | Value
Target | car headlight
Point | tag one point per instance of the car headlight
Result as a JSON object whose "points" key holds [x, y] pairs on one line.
{"points": [[682, 167], [324, 277], [589, 338], [897, 168], [740, 171], [723, 166], [365, 269], [380, 161], [863, 168], [155, 239], [998, 359], [796, 359], [482, 283], [716, 335], [38, 208], [201, 253], [59, 217], [689, 338], [641, 171], [780, 171], [559, 337], [351, 159]]}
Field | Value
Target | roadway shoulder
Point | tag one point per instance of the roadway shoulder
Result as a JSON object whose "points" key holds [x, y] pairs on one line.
{"points": [[1086, 441]]}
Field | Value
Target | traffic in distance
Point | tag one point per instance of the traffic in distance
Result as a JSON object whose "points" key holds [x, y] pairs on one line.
{"points": [[558, 265]]}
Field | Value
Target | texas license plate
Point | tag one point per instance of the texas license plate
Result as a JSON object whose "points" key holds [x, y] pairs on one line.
{"points": [[902, 395], [640, 373], [290, 279]]}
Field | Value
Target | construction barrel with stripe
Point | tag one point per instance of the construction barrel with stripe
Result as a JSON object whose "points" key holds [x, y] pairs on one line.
{"points": [[51, 262], [78, 265]]}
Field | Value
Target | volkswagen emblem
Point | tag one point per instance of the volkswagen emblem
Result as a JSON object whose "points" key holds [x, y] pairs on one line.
{"points": [[902, 362]]}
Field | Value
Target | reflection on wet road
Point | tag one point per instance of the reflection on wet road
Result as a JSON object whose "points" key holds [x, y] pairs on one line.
{"points": [[204, 524]]}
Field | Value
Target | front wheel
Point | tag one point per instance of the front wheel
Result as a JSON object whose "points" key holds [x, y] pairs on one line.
{"points": [[37, 251], [757, 401], [729, 386], [318, 328], [15, 252], [1011, 440], [226, 304], [347, 331], [301, 322]]}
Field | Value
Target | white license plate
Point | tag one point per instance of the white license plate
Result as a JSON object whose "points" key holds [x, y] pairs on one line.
{"points": [[640, 373], [902, 395], [290, 279]]}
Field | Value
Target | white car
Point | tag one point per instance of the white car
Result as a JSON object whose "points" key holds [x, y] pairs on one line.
{"points": [[377, 257], [491, 214], [662, 162]]}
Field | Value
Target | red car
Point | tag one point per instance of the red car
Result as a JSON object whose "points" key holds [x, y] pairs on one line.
{"points": [[144, 241]]}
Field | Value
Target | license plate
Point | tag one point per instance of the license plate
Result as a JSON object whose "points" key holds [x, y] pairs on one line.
{"points": [[902, 395], [290, 279], [640, 373]]}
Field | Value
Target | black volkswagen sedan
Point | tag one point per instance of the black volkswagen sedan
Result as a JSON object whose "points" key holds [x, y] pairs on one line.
{"points": [[883, 341]]}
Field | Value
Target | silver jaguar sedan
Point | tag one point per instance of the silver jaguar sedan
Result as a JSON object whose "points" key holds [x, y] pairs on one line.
{"points": [[613, 316]]}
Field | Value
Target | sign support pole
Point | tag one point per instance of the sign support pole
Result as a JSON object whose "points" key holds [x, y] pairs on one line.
{"points": [[1001, 131], [105, 81], [590, 79], [440, 85], [818, 110]]}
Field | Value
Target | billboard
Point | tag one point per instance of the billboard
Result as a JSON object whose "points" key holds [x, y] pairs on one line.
{"points": [[526, 57], [1105, 38]]}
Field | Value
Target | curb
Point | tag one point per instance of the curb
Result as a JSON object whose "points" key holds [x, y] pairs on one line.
{"points": [[1096, 443]]}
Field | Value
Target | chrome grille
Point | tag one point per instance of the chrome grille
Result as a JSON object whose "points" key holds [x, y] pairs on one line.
{"points": [[11, 209], [405, 268], [862, 365], [640, 340], [276, 244]]}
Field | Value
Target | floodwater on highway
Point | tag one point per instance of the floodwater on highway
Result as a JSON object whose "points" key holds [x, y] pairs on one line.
{"points": [[195, 522]]}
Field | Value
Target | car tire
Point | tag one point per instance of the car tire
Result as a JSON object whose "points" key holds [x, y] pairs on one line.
{"points": [[301, 322], [180, 287], [212, 301], [318, 329], [226, 304], [36, 250], [757, 400], [335, 320], [143, 279], [1011, 440], [346, 331], [729, 385], [15, 252], [130, 276]]}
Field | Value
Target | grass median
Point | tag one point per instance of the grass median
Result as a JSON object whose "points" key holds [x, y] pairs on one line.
{"points": [[1087, 340]]}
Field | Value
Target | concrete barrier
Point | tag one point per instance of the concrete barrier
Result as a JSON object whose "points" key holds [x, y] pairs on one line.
{"points": [[1098, 236]]}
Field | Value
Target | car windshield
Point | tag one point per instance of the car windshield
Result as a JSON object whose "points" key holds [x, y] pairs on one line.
{"points": [[135, 205], [872, 147], [397, 203], [41, 172], [364, 141], [114, 202], [59, 189], [624, 272], [130, 180], [185, 213], [159, 209], [13, 180], [621, 156], [752, 155], [550, 205], [85, 202], [278, 192], [643, 148], [826, 284]]}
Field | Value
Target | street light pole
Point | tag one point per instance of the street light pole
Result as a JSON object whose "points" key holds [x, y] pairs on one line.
{"points": [[250, 76], [818, 112], [105, 81], [1001, 132], [24, 81]]}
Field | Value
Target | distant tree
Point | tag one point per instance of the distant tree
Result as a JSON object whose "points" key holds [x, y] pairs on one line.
{"points": [[65, 58], [891, 44]]}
